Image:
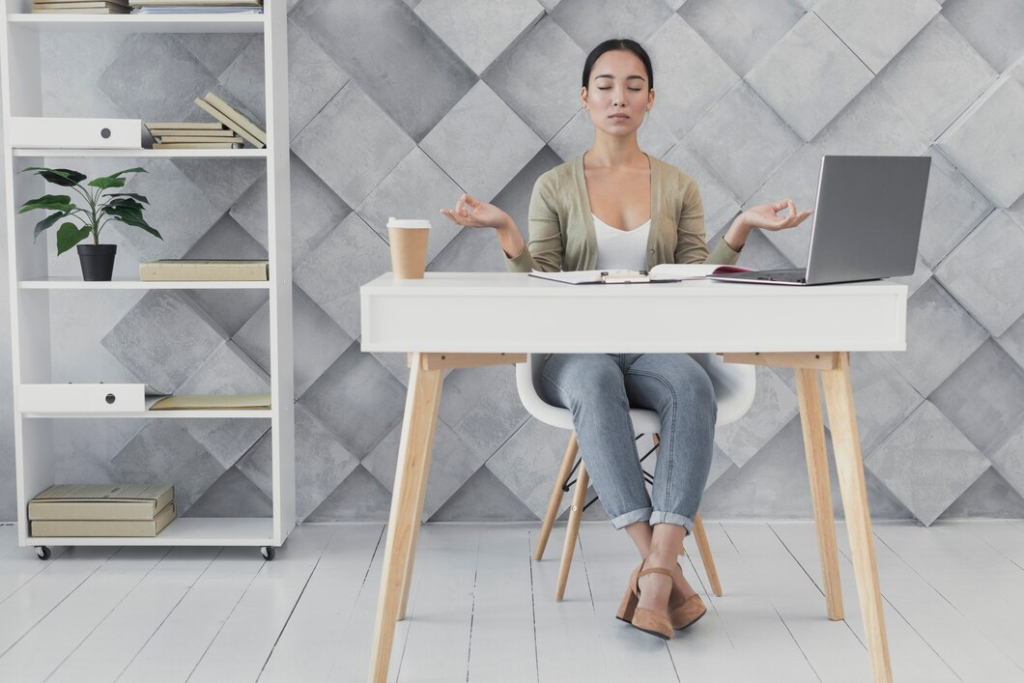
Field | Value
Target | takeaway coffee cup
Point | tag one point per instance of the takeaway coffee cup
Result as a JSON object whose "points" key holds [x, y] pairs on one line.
{"points": [[408, 240]]}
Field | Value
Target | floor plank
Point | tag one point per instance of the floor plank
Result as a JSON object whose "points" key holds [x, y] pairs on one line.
{"points": [[240, 649], [440, 619], [949, 559], [50, 583], [105, 653], [308, 645], [62, 630], [184, 636], [567, 634], [351, 662], [927, 638], [832, 649], [1004, 538], [746, 611], [501, 639], [21, 565]]}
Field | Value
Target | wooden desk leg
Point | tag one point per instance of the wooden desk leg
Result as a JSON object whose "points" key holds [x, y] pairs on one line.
{"points": [[421, 407], [821, 493], [421, 488], [850, 467]]}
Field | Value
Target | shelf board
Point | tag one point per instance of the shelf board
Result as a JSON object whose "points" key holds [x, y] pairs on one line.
{"points": [[244, 531], [139, 23], [210, 414], [77, 284], [141, 153]]}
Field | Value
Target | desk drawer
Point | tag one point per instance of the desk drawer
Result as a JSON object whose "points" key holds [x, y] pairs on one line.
{"points": [[83, 398]]}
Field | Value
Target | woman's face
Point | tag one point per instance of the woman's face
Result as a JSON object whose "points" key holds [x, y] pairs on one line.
{"points": [[618, 96]]}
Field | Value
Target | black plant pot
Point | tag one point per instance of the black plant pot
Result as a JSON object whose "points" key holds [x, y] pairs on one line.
{"points": [[97, 261]]}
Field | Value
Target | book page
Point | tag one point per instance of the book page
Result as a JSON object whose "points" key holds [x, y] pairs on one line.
{"points": [[690, 271], [584, 277]]}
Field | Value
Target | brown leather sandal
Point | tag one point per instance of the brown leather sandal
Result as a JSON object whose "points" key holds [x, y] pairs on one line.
{"points": [[642, 618], [689, 612]]}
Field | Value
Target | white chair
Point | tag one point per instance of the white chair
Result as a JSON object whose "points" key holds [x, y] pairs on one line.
{"points": [[734, 392]]}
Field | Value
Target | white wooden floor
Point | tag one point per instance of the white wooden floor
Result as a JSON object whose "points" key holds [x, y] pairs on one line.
{"points": [[481, 610]]}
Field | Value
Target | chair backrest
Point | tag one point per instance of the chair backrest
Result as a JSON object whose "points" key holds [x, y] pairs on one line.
{"points": [[735, 385]]}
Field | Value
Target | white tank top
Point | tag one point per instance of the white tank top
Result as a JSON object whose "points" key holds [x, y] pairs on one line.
{"points": [[621, 248]]}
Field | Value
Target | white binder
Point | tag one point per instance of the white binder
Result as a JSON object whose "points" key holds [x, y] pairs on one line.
{"points": [[37, 132], [110, 399]]}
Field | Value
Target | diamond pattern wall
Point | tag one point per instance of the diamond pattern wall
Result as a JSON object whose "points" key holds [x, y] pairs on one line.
{"points": [[397, 107]]}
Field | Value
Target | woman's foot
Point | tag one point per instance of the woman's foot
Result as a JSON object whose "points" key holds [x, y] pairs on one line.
{"points": [[656, 589], [681, 590], [669, 596]]}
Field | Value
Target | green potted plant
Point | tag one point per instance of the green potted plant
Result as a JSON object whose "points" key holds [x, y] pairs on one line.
{"points": [[102, 206]]}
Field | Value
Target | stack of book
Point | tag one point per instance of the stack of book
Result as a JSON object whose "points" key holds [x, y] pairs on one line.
{"points": [[102, 510], [80, 7], [204, 270], [197, 6], [233, 119], [186, 135]]}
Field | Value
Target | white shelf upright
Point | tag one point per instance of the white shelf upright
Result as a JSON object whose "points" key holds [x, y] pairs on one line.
{"points": [[30, 283]]}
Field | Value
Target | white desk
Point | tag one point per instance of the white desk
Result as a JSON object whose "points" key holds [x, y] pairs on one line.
{"points": [[470, 319]]}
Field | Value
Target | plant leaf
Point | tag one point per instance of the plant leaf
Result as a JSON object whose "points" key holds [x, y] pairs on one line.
{"points": [[58, 176], [69, 235], [130, 216], [51, 202], [137, 169], [125, 202], [139, 197], [45, 223], [107, 182]]}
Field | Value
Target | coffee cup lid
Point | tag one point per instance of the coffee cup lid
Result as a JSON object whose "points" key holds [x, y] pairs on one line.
{"points": [[408, 222]]}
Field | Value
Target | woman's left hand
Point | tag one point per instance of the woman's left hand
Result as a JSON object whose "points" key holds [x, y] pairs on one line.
{"points": [[765, 216]]}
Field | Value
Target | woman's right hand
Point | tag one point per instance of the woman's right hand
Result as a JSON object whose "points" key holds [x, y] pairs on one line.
{"points": [[471, 213]]}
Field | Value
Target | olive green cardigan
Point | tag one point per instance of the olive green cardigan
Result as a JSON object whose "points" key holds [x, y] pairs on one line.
{"points": [[562, 233]]}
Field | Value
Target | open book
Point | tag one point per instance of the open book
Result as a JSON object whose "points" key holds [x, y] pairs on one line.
{"points": [[666, 272]]}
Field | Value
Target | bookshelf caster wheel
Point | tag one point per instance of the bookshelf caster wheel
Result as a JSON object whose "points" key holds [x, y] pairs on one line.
{"points": [[43, 552], [267, 552]]}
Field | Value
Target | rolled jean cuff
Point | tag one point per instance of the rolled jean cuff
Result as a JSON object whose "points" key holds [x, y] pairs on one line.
{"points": [[672, 518], [632, 517]]}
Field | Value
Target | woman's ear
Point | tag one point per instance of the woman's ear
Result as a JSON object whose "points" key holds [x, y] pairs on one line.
{"points": [[583, 96]]}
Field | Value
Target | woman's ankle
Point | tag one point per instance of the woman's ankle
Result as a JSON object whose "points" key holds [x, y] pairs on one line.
{"points": [[662, 558]]}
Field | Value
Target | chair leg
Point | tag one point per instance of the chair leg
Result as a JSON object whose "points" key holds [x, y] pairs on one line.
{"points": [[556, 497], [702, 545], [705, 555], [572, 529]]}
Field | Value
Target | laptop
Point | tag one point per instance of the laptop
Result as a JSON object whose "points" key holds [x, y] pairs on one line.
{"points": [[866, 224]]}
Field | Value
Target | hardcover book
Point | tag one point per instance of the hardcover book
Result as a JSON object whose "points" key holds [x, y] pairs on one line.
{"points": [[63, 527], [204, 270], [101, 502]]}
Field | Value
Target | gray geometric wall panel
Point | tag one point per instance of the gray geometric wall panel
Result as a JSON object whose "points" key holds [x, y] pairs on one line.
{"points": [[399, 106]]}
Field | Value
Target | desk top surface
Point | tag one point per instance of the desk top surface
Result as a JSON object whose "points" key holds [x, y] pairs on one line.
{"points": [[512, 312], [521, 284]]}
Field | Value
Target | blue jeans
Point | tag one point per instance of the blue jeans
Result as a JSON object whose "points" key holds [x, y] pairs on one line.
{"points": [[599, 389]]}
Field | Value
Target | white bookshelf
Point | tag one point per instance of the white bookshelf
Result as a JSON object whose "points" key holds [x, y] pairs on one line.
{"points": [[30, 282], [76, 283], [145, 153]]}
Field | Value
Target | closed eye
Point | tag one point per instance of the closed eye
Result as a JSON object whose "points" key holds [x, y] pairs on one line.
{"points": [[630, 89]]}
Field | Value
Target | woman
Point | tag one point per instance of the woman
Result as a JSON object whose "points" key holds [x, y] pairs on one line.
{"points": [[616, 207]]}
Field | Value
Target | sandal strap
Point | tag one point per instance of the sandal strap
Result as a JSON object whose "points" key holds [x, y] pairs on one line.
{"points": [[655, 570]]}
